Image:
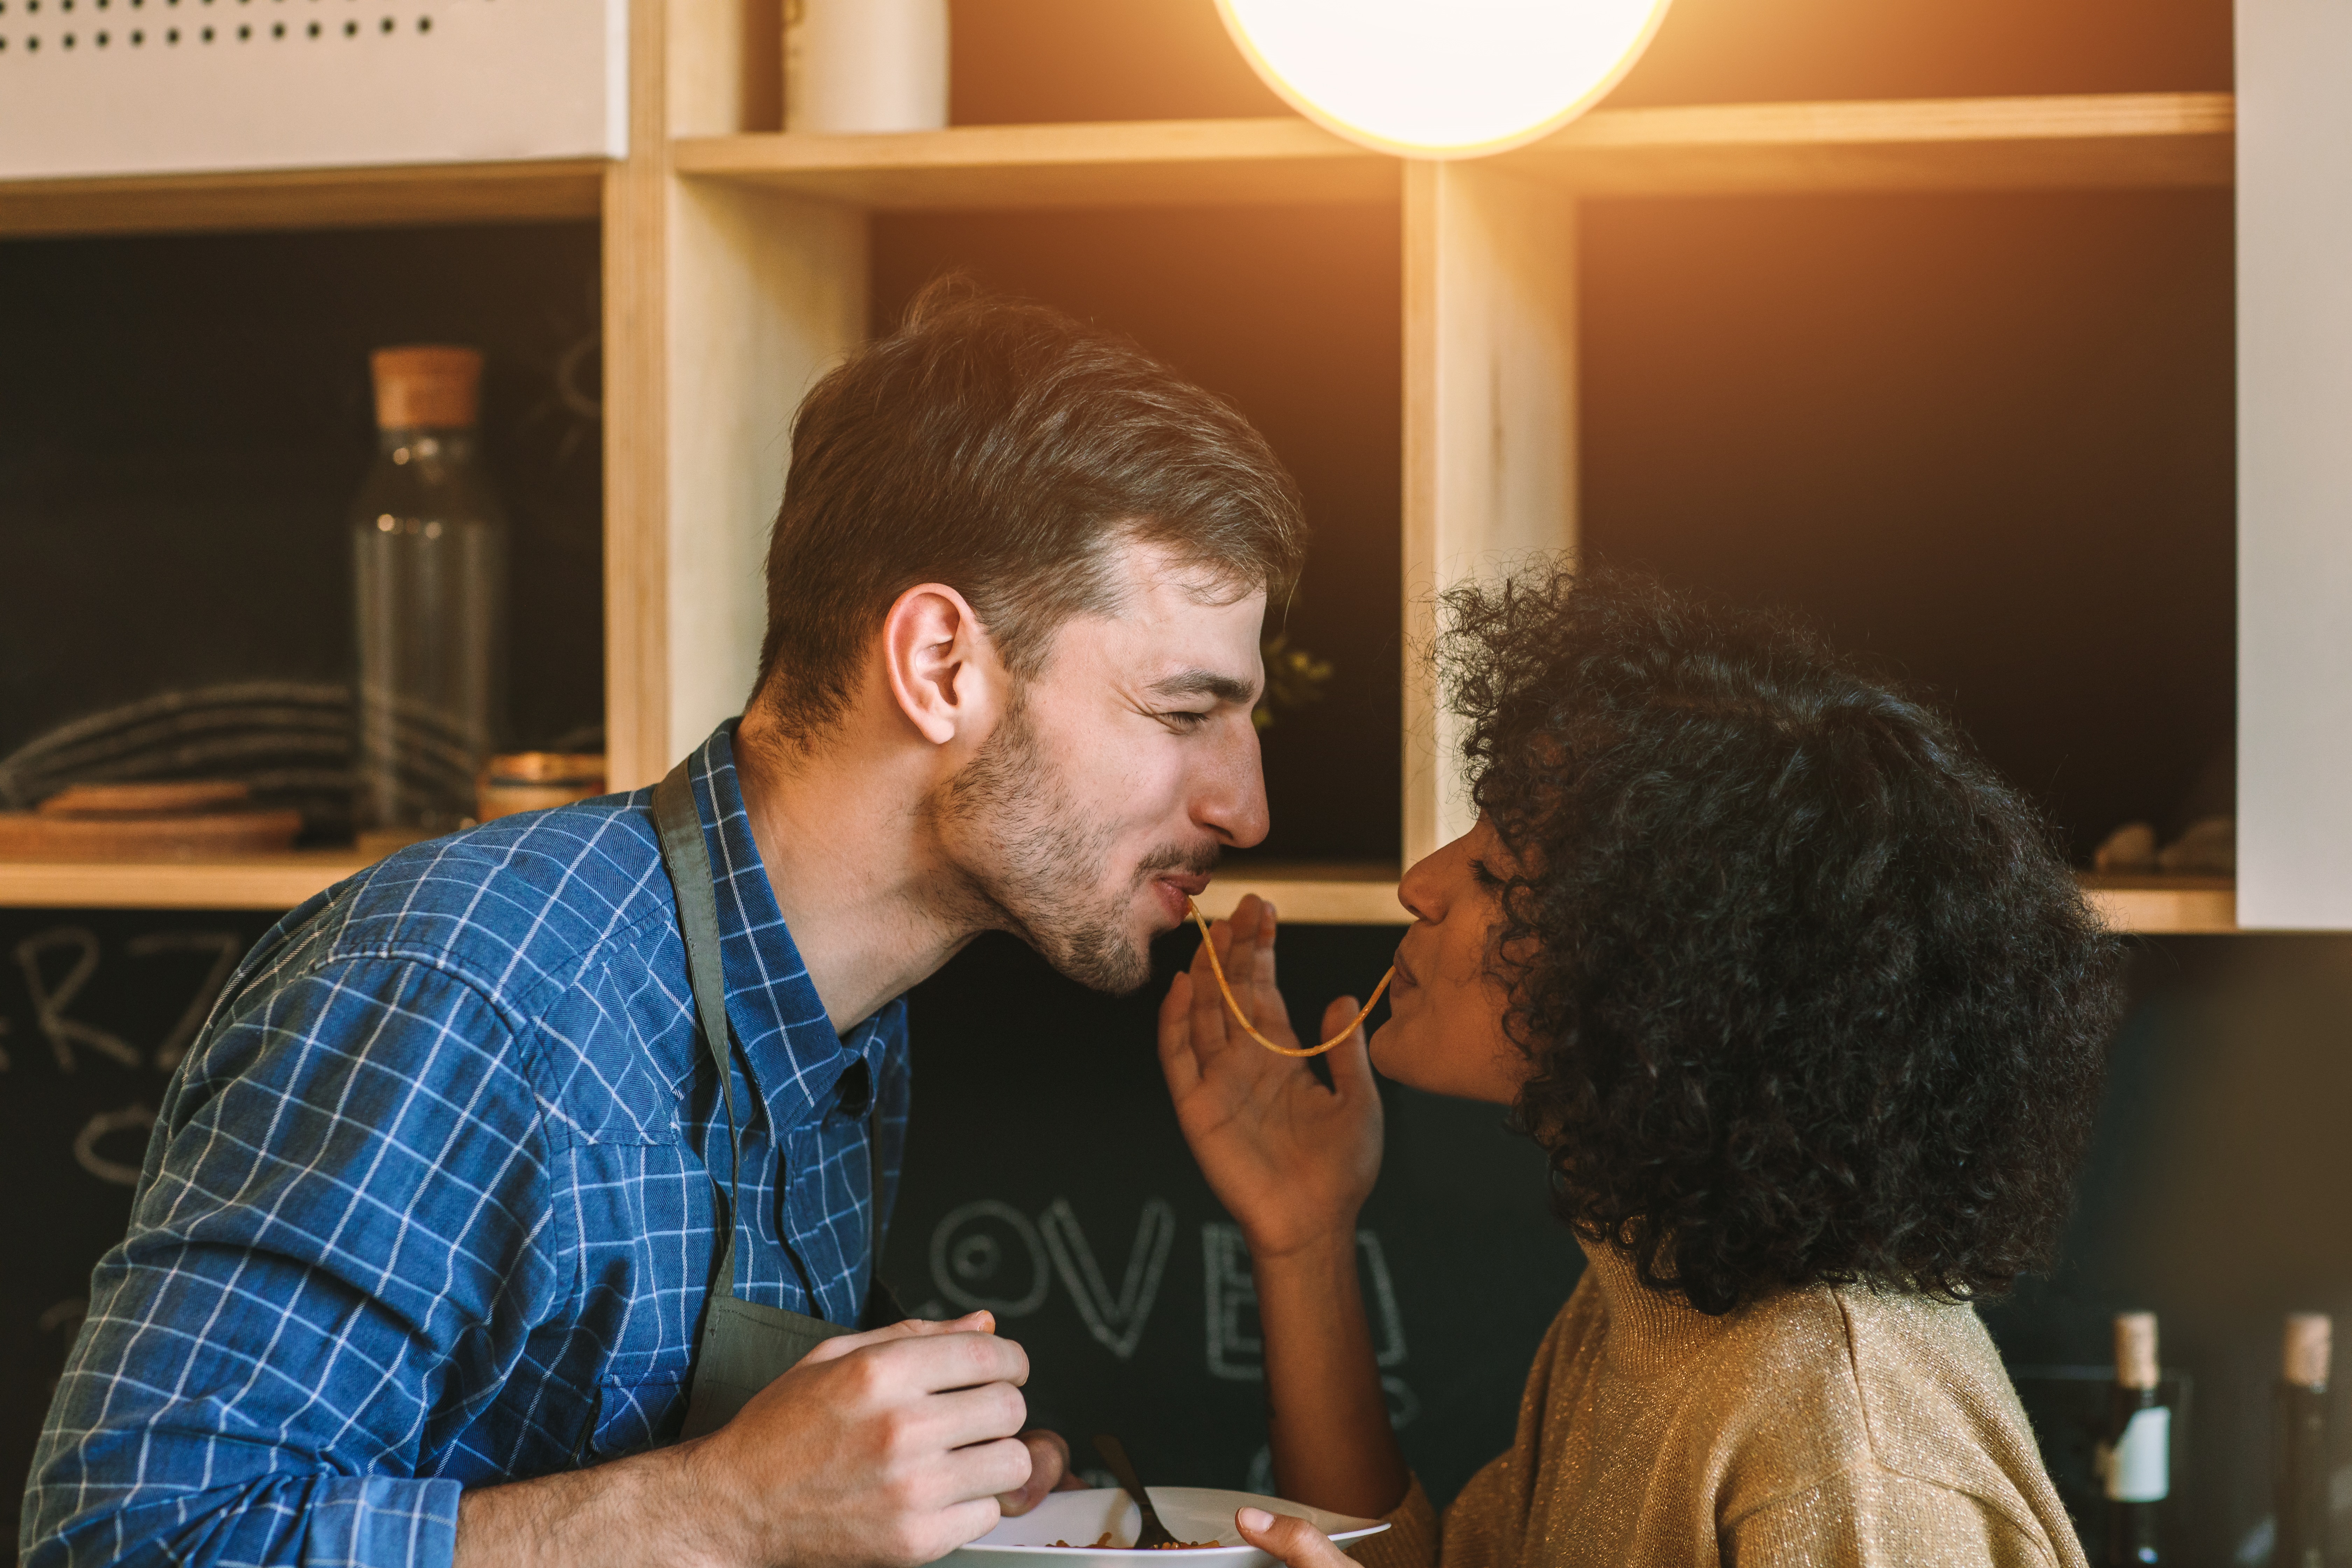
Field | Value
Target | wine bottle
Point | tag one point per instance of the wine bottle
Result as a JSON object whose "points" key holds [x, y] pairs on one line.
{"points": [[2303, 1442], [2135, 1461]]}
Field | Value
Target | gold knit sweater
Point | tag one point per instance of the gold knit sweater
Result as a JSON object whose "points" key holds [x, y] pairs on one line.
{"points": [[1822, 1427]]}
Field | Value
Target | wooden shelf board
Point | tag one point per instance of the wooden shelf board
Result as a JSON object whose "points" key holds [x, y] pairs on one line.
{"points": [[2106, 140], [1144, 163], [2165, 905], [2120, 139], [305, 198], [1318, 893], [1308, 894], [254, 882], [1366, 895]]}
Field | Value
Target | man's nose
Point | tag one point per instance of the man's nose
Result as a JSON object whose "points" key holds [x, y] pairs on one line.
{"points": [[1232, 800]]}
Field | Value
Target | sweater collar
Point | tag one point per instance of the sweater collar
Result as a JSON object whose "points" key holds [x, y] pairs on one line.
{"points": [[1649, 1331]]}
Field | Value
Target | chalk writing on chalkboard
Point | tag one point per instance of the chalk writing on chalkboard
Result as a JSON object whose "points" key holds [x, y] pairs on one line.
{"points": [[226, 948], [1117, 1321], [53, 994], [987, 1255], [1236, 1355], [970, 1259], [54, 988], [130, 1118], [58, 964]]}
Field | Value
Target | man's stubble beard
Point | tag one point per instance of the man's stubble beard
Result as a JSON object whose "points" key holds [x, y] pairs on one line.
{"points": [[1034, 859]]}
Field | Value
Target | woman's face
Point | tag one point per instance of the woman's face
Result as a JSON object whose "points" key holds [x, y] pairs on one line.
{"points": [[1445, 1032]]}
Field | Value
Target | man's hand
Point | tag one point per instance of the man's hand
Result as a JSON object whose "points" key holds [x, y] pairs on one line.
{"points": [[879, 1450], [886, 1447], [1290, 1159], [1289, 1540]]}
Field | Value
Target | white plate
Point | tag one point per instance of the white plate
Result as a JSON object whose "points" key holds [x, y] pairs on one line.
{"points": [[1190, 1513]]}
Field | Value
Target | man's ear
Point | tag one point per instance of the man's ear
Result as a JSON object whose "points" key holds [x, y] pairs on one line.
{"points": [[942, 669]]}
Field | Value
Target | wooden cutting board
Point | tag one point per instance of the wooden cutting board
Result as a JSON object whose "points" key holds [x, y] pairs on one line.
{"points": [[195, 820], [32, 836]]}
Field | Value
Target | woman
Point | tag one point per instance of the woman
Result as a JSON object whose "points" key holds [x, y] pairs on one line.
{"points": [[1810, 1019]]}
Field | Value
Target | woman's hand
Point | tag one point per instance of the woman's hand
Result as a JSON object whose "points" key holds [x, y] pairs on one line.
{"points": [[1049, 1471], [1289, 1540], [1291, 1161]]}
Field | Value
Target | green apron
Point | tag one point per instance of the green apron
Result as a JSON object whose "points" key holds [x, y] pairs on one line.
{"points": [[743, 1346]]}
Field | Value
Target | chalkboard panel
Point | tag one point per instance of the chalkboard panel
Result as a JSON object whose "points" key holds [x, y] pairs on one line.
{"points": [[96, 1008]]}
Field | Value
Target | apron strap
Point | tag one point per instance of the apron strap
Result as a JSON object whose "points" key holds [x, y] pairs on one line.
{"points": [[688, 860], [890, 1310], [686, 857]]}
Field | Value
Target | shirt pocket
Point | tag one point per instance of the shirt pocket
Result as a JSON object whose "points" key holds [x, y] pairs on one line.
{"points": [[632, 1415], [641, 1216]]}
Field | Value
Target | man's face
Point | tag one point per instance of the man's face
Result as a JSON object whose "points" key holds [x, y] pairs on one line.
{"points": [[1102, 798]]}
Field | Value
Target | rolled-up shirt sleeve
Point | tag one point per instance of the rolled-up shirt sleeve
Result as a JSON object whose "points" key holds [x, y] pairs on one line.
{"points": [[341, 1236]]}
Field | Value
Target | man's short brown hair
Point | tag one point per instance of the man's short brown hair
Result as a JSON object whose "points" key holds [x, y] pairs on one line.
{"points": [[1007, 451]]}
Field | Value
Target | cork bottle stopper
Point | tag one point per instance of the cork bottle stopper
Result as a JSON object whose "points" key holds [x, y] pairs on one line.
{"points": [[2307, 1348], [426, 383], [2135, 1349]]}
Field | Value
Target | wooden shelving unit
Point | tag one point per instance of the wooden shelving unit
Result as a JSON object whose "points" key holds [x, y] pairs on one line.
{"points": [[736, 270]]}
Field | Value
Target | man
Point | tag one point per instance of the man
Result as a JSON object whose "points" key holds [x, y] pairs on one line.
{"points": [[453, 1224]]}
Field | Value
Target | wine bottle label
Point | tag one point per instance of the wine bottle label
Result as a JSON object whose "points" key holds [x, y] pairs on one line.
{"points": [[2138, 1468]]}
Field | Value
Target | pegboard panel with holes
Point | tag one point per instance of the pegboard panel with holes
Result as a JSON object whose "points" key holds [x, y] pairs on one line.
{"points": [[159, 87]]}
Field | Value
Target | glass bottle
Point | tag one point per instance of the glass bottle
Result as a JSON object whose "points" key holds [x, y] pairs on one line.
{"points": [[2134, 1459], [2303, 1442], [428, 568]]}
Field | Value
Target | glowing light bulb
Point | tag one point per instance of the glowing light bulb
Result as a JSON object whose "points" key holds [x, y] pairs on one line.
{"points": [[1442, 78]]}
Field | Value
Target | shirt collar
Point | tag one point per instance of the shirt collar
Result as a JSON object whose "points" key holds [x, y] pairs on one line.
{"points": [[792, 1053]]}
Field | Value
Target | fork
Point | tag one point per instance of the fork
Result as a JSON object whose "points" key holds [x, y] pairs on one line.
{"points": [[1152, 1533]]}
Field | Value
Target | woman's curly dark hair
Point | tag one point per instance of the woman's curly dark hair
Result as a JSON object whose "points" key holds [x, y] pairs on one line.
{"points": [[1808, 992]]}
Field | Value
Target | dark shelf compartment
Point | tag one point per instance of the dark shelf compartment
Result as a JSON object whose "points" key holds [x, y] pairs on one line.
{"points": [[1986, 440], [186, 418]]}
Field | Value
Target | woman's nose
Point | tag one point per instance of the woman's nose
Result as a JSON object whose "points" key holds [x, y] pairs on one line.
{"points": [[1421, 889]]}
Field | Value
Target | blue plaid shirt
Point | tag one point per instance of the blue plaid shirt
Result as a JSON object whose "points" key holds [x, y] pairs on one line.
{"points": [[429, 1204]]}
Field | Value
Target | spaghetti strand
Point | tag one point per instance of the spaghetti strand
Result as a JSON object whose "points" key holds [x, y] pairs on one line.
{"points": [[1234, 1006]]}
